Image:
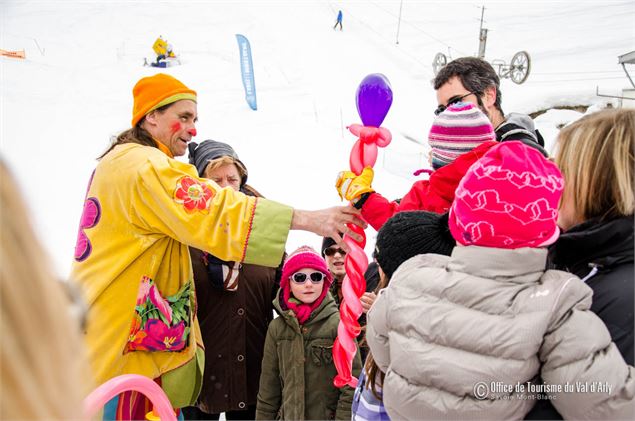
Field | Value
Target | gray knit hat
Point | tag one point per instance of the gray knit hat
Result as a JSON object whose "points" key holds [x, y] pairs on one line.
{"points": [[209, 150], [408, 234]]}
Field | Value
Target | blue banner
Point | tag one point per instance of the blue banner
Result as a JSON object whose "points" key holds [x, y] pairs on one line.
{"points": [[247, 71]]}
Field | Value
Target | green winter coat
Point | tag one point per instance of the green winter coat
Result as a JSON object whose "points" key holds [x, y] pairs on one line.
{"points": [[296, 356]]}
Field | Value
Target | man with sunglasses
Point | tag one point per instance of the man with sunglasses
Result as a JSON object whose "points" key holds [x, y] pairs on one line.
{"points": [[334, 256], [473, 80]]}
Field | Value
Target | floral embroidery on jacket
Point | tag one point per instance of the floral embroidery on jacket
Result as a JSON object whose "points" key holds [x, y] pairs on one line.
{"points": [[90, 217], [160, 324], [192, 194]]}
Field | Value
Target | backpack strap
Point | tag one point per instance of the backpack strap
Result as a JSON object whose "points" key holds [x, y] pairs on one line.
{"points": [[507, 129], [512, 131]]}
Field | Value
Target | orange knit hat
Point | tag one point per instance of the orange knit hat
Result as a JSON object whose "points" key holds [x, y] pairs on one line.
{"points": [[156, 91]]}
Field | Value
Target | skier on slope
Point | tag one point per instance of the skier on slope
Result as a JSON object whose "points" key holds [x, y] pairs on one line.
{"points": [[339, 20], [163, 50]]}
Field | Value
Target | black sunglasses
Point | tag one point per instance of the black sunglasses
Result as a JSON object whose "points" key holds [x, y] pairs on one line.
{"points": [[300, 277], [453, 100], [332, 250]]}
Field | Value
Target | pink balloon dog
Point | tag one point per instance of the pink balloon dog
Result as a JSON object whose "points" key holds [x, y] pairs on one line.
{"points": [[374, 98], [100, 396]]}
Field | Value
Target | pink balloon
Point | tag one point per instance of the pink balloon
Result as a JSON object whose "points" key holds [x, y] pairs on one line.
{"points": [[353, 286], [359, 231], [340, 360], [374, 101], [363, 155], [364, 152], [101, 395], [350, 297]]}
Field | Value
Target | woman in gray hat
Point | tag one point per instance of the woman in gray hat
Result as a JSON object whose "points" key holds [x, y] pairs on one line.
{"points": [[234, 305]]}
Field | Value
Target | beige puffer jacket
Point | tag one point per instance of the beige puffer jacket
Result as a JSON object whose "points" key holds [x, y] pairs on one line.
{"points": [[454, 334]]}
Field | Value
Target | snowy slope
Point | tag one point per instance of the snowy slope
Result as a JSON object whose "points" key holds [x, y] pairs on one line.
{"points": [[60, 106]]}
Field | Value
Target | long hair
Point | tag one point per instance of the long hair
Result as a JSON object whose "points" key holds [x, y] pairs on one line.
{"points": [[596, 155], [136, 134], [374, 375], [42, 364]]}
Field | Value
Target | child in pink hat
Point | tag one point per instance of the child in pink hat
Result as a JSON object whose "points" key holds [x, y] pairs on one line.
{"points": [[486, 332], [508, 199], [304, 297], [297, 368]]}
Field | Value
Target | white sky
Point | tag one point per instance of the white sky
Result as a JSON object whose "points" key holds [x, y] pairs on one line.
{"points": [[59, 107]]}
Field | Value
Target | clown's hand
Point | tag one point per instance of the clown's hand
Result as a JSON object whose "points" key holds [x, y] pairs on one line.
{"points": [[351, 186]]}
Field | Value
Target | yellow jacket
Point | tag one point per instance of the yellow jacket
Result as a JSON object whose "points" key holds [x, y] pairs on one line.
{"points": [[142, 211], [160, 47]]}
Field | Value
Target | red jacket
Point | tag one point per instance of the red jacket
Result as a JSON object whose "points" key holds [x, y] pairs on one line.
{"points": [[434, 195]]}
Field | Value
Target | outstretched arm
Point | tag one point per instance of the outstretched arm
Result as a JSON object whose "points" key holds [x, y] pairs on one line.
{"points": [[330, 222]]}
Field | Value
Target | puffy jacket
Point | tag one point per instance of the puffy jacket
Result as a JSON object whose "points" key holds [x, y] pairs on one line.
{"points": [[433, 195], [141, 212], [455, 335], [298, 369]]}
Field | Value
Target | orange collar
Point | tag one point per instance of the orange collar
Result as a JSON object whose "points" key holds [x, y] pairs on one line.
{"points": [[164, 149]]}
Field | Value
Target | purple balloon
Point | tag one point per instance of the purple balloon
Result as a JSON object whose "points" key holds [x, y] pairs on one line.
{"points": [[374, 98]]}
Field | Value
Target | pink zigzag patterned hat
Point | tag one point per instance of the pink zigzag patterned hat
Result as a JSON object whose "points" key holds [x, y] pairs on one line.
{"points": [[508, 199]]}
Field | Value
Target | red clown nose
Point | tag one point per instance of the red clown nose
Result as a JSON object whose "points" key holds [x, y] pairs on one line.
{"points": [[192, 132]]}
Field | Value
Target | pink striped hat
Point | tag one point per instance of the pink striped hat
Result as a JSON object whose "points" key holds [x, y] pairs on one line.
{"points": [[457, 130]]}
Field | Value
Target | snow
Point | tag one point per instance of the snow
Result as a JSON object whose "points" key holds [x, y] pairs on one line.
{"points": [[61, 105], [551, 122]]}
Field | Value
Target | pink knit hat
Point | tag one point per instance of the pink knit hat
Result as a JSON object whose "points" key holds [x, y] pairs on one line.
{"points": [[303, 257], [508, 199], [457, 130]]}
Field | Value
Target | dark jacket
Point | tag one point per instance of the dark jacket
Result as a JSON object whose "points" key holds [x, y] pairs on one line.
{"points": [[298, 368], [234, 327], [601, 253], [521, 127]]}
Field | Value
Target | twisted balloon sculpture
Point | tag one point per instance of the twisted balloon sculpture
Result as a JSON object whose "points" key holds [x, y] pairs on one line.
{"points": [[374, 98], [100, 396]]}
